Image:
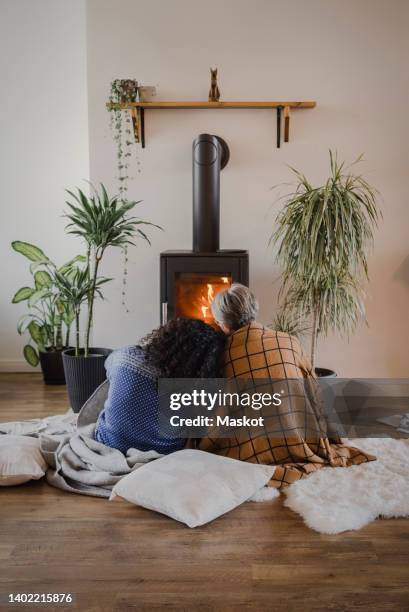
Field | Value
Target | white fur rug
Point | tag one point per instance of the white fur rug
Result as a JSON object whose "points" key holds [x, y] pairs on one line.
{"points": [[265, 494], [333, 500]]}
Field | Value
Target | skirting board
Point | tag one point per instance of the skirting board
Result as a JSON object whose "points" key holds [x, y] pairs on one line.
{"points": [[16, 365]]}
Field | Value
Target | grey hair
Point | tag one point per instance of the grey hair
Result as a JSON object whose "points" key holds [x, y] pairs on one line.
{"points": [[236, 306]]}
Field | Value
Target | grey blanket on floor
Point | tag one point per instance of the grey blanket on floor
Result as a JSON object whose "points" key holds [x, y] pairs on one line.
{"points": [[77, 462]]}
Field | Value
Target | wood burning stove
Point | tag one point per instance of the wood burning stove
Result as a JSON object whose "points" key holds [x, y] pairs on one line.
{"points": [[191, 279]]}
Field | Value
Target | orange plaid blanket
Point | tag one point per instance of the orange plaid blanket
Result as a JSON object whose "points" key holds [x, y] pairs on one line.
{"points": [[296, 439]]}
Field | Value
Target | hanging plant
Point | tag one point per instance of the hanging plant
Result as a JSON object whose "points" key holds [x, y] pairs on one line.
{"points": [[121, 92]]}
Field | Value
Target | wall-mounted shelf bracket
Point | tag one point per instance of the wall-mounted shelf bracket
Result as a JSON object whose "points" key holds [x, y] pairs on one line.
{"points": [[137, 110]]}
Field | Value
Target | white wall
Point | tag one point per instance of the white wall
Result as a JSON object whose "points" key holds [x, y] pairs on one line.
{"points": [[350, 56], [44, 140]]}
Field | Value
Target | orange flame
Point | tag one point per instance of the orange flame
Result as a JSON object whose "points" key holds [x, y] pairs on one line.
{"points": [[194, 296], [206, 301]]}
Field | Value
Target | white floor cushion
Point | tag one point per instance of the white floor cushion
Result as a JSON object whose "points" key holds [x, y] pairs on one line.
{"points": [[20, 460], [192, 486]]}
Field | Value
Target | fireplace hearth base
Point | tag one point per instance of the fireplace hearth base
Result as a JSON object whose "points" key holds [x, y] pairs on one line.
{"points": [[189, 281]]}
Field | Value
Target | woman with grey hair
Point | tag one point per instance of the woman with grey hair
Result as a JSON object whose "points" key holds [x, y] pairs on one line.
{"points": [[234, 307], [257, 352], [252, 350]]}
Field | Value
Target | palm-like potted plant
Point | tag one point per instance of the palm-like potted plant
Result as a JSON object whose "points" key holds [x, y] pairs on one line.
{"points": [[75, 289], [49, 318], [101, 222], [323, 235]]}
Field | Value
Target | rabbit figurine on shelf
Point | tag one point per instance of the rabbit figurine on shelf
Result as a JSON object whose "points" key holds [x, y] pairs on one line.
{"points": [[214, 92]]}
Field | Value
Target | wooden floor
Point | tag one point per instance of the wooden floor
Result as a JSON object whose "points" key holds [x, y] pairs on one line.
{"points": [[115, 556]]}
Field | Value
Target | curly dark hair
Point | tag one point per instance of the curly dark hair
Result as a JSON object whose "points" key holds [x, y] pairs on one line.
{"points": [[186, 348]]}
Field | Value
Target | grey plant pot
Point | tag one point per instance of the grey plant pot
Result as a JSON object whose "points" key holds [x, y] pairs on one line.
{"points": [[84, 375]]}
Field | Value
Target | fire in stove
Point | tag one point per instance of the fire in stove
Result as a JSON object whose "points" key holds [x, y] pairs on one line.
{"points": [[195, 293]]}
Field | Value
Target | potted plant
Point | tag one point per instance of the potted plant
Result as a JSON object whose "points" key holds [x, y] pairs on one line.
{"points": [[101, 222], [323, 235], [48, 322], [123, 91]]}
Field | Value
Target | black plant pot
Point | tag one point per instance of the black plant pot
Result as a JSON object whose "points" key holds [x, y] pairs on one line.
{"points": [[325, 373], [84, 374], [52, 367]]}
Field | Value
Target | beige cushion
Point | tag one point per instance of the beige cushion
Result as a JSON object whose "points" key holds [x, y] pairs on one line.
{"points": [[192, 486], [20, 460]]}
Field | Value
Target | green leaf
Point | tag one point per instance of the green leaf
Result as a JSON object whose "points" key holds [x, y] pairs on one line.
{"points": [[60, 306], [36, 332], [69, 265], [37, 296], [68, 316], [37, 264], [31, 355], [46, 337], [102, 221], [42, 279], [22, 294], [29, 250], [23, 323]]}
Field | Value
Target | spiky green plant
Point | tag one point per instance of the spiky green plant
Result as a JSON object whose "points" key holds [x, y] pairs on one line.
{"points": [[102, 222], [74, 290], [286, 321], [323, 235]]}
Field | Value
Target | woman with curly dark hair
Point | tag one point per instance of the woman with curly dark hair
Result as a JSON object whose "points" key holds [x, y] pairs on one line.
{"points": [[183, 348]]}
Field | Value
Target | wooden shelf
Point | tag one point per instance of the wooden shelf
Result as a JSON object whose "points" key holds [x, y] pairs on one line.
{"points": [[221, 104], [137, 110]]}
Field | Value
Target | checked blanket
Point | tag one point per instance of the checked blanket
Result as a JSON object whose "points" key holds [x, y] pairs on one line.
{"points": [[295, 436]]}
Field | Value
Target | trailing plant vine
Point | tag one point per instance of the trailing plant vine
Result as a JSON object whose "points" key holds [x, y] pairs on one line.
{"points": [[123, 91]]}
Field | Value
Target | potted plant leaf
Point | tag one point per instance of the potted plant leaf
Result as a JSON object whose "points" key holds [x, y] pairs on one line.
{"points": [[287, 322], [323, 236], [48, 322], [101, 222]]}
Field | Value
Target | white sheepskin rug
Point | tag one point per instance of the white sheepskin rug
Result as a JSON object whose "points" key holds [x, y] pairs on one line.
{"points": [[265, 494], [333, 500]]}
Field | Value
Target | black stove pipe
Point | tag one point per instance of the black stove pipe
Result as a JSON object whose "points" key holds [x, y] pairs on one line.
{"points": [[210, 155]]}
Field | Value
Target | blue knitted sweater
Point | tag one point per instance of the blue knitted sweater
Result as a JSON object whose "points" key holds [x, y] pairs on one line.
{"points": [[130, 415]]}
